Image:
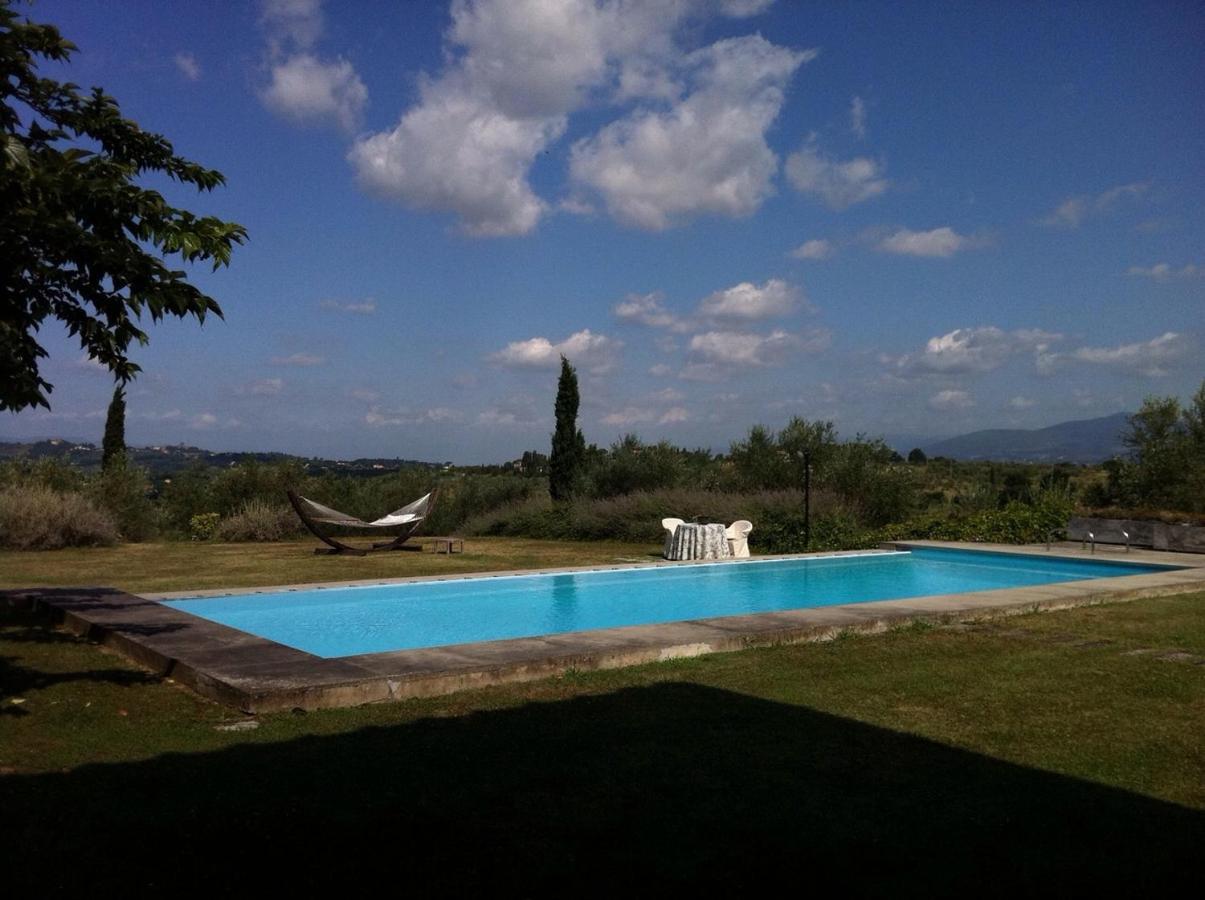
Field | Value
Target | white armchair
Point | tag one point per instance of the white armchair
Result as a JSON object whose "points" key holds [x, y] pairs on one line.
{"points": [[670, 526], [738, 538]]}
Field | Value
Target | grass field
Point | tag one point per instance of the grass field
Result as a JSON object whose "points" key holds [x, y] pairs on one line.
{"points": [[1017, 755], [177, 566]]}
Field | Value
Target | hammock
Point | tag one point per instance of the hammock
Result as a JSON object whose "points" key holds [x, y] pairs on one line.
{"points": [[313, 515]]}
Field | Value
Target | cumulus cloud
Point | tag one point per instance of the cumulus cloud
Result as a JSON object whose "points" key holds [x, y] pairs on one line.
{"points": [[750, 301], [704, 155], [966, 350], [1154, 358], [308, 90], [355, 307], [1072, 212], [857, 117], [378, 418], [743, 302], [817, 248], [299, 359], [839, 184], [744, 349], [303, 87], [940, 242], [516, 70], [1164, 271], [596, 353], [951, 400], [647, 309], [187, 65]]}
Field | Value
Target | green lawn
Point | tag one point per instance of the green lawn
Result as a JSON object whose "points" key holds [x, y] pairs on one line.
{"points": [[1013, 755], [177, 566]]}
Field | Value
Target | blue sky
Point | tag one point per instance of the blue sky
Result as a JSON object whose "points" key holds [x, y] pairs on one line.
{"points": [[907, 218]]}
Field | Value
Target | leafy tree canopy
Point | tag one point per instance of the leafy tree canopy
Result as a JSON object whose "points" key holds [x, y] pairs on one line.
{"points": [[80, 240]]}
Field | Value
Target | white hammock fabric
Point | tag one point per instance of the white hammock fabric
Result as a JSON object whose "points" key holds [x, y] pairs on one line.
{"points": [[411, 512]]}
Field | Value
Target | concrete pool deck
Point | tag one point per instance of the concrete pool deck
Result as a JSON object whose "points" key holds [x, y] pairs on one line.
{"points": [[259, 675]]}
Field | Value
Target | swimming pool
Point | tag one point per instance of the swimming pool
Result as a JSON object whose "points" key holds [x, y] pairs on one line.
{"points": [[348, 621]]}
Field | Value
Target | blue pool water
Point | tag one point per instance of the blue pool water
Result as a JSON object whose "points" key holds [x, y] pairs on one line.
{"points": [[332, 622]]}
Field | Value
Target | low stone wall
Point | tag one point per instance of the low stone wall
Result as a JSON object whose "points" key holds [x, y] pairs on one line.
{"points": [[1156, 535]]}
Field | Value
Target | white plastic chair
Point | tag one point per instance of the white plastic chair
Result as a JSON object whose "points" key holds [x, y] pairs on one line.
{"points": [[738, 538], [670, 526]]}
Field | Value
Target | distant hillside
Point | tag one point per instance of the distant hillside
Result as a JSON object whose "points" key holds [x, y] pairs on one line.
{"points": [[1083, 441], [165, 460]]}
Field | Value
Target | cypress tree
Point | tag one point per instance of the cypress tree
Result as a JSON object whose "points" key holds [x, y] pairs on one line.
{"points": [[114, 445], [568, 445]]}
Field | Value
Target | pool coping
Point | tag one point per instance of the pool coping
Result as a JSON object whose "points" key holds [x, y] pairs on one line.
{"points": [[258, 675]]}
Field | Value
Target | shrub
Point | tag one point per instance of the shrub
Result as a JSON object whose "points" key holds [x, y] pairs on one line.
{"points": [[260, 522], [33, 517], [637, 517], [203, 526], [121, 489]]}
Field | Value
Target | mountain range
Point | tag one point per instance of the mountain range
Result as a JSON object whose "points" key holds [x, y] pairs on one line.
{"points": [[1079, 441]]}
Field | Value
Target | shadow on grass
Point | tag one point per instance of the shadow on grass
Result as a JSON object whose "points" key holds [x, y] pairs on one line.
{"points": [[674, 785]]}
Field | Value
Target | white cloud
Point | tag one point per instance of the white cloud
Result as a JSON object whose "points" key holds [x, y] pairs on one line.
{"points": [[743, 302], [951, 400], [304, 87], [630, 415], [647, 309], [660, 370], [742, 349], [1072, 212], [308, 90], [982, 349], [299, 359], [748, 301], [355, 307], [941, 242], [377, 417], [366, 395], [596, 353], [1154, 358], [1020, 402], [857, 117], [206, 421], [705, 155], [188, 66], [838, 184], [1164, 271], [516, 70], [818, 248], [674, 415], [264, 387]]}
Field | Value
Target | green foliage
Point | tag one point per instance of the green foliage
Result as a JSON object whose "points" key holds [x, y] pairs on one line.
{"points": [[1166, 466], [568, 445], [916, 456], [260, 522], [36, 517], [114, 442], [121, 489], [203, 526], [80, 240], [47, 472]]}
